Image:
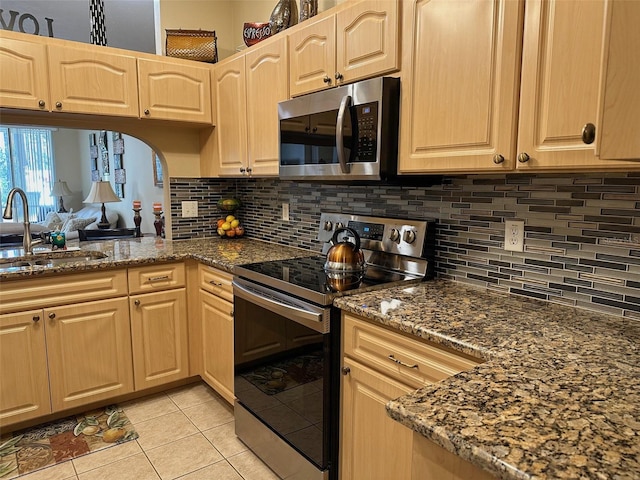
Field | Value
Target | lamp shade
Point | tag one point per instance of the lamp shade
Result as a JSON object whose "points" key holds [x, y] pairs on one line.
{"points": [[61, 189], [101, 192]]}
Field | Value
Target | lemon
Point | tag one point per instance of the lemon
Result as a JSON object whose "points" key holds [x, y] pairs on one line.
{"points": [[226, 226], [235, 223], [230, 218]]}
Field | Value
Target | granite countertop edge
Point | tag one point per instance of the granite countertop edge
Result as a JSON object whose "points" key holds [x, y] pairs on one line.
{"points": [[224, 254], [555, 397]]}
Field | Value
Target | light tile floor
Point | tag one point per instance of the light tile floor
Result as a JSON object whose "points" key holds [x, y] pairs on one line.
{"points": [[186, 433]]}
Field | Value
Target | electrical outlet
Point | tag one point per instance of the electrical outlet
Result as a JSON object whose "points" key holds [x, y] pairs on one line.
{"points": [[514, 235], [189, 209], [285, 212]]}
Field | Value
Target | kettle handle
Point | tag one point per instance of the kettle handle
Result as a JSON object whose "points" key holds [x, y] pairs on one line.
{"points": [[334, 239]]}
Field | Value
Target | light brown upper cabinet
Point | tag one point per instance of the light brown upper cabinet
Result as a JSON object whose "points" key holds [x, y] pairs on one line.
{"points": [[357, 42], [86, 79], [267, 84], [460, 69], [498, 85], [247, 89], [565, 44], [24, 79], [67, 77], [229, 81], [619, 138], [174, 90]]}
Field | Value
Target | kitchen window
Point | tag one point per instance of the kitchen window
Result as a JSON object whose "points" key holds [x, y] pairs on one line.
{"points": [[26, 161]]}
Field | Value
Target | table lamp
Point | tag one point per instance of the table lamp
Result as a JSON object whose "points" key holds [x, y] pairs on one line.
{"points": [[101, 192], [60, 189]]}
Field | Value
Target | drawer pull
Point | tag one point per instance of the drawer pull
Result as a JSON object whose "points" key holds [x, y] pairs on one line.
{"points": [[215, 284], [400, 362], [157, 279]]}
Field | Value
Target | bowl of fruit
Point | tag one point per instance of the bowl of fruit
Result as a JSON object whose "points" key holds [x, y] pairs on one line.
{"points": [[229, 227]]}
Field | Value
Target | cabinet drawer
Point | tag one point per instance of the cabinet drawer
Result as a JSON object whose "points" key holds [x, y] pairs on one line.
{"points": [[61, 289], [153, 278], [216, 282], [381, 349]]}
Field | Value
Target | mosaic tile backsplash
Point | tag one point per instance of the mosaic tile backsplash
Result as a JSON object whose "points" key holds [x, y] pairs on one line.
{"points": [[582, 232]]}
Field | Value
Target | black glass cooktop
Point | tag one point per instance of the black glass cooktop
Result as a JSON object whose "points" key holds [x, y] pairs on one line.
{"points": [[305, 277]]}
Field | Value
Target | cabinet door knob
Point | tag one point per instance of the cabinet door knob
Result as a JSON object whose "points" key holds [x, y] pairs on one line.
{"points": [[58, 104], [136, 303], [52, 315], [231, 313], [523, 157], [36, 318], [589, 133], [327, 79], [242, 170], [249, 170], [339, 76], [41, 104], [346, 371], [147, 112], [498, 159]]}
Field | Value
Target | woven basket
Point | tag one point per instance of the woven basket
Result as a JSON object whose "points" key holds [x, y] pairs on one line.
{"points": [[199, 45]]}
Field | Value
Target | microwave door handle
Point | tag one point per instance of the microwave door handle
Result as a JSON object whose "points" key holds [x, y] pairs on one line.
{"points": [[344, 104]]}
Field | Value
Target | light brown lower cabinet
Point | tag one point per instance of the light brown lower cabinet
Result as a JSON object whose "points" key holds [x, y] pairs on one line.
{"points": [[373, 446], [159, 337], [432, 462], [89, 352], [216, 324], [24, 375], [379, 365], [216, 316]]}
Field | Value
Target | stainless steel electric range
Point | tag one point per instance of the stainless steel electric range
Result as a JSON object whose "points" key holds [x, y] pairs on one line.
{"points": [[287, 342]]}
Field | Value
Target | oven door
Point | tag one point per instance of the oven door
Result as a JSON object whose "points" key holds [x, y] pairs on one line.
{"points": [[282, 368]]}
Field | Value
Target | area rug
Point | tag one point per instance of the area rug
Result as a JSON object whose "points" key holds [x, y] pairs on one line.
{"points": [[38, 447], [286, 374]]}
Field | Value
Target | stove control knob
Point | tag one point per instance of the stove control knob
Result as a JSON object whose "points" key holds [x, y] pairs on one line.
{"points": [[339, 225], [409, 236], [328, 225], [394, 236]]}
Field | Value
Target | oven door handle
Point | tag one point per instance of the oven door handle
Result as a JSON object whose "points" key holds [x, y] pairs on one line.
{"points": [[313, 317]]}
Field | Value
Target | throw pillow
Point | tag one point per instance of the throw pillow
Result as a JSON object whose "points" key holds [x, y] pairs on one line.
{"points": [[73, 224], [52, 221]]}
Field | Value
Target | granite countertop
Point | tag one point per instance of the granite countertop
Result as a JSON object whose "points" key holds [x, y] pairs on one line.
{"points": [[558, 394], [217, 252]]}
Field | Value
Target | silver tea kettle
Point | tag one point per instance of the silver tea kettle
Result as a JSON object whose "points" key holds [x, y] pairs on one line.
{"points": [[345, 256]]}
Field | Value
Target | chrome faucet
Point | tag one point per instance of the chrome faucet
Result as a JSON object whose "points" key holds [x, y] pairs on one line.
{"points": [[27, 242]]}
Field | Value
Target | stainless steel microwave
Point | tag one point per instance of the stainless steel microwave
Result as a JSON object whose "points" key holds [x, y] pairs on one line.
{"points": [[342, 134]]}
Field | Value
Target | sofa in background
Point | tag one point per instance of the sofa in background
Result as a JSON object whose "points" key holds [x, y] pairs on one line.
{"points": [[86, 218]]}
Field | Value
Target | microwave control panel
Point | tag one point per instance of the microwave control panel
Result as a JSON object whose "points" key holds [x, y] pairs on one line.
{"points": [[366, 116]]}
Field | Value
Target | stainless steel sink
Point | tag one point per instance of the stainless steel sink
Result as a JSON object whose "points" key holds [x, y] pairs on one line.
{"points": [[49, 259]]}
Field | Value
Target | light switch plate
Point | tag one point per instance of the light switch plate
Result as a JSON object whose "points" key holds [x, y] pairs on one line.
{"points": [[189, 209]]}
